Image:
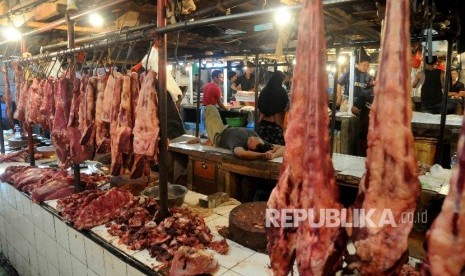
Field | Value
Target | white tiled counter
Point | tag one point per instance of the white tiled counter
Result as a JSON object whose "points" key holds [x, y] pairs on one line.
{"points": [[37, 242]]}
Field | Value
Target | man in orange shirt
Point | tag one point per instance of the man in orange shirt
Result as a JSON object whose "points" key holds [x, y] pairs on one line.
{"points": [[212, 92]]}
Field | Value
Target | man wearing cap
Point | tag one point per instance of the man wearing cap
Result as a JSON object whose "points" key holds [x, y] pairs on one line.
{"points": [[362, 79]]}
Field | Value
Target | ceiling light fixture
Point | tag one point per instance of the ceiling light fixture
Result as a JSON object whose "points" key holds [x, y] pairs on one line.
{"points": [[282, 16], [341, 60], [11, 33], [96, 20]]}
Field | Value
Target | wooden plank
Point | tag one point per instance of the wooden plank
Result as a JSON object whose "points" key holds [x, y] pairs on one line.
{"points": [[35, 24], [246, 170]]}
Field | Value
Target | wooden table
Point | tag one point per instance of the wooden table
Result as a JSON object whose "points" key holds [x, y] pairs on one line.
{"points": [[220, 169]]}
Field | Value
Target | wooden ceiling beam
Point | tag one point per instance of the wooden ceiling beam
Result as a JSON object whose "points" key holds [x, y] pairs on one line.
{"points": [[35, 24]]}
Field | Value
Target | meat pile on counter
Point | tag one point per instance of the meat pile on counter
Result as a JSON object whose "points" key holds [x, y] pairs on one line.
{"points": [[17, 156], [137, 223], [307, 177], [46, 183], [98, 116]]}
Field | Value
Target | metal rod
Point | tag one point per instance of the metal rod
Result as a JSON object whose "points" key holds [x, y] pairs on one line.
{"points": [[74, 17], [197, 111], [2, 138], [162, 58], [333, 108], [442, 127], [78, 187], [99, 36], [257, 77], [32, 161], [158, 31]]}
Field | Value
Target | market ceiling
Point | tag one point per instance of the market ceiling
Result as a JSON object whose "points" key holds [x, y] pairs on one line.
{"points": [[347, 22]]}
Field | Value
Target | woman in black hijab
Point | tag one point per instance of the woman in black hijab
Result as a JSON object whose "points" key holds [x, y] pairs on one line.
{"points": [[272, 104]]}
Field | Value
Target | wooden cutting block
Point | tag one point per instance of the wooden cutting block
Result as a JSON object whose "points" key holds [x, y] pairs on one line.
{"points": [[247, 225]]}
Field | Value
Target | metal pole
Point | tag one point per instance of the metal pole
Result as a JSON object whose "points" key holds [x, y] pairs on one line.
{"points": [[28, 126], [442, 127], [2, 138], [333, 106], [162, 58], [78, 187], [74, 17], [257, 76], [197, 110]]}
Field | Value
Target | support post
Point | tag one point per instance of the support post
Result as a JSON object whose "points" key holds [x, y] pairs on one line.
{"points": [[257, 74], [162, 62], [442, 127], [197, 110], [78, 187], [2, 138], [333, 106], [32, 161]]}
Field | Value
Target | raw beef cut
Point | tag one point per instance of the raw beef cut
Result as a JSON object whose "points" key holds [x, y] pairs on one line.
{"points": [[134, 94], [125, 122], [102, 128], [78, 153], [191, 261], [47, 109], [103, 209], [87, 110], [390, 185], [116, 156], [108, 96], [34, 102], [19, 81], [146, 127], [71, 206], [21, 107], [7, 97], [446, 238], [59, 135], [307, 176], [46, 183]]}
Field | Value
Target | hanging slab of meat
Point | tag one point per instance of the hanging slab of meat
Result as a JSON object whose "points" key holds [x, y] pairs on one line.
{"points": [[307, 176], [34, 102], [102, 134], [78, 153], [108, 96], [87, 110], [21, 107], [446, 238], [125, 122], [103, 209], [134, 94], [7, 96], [116, 156], [19, 79], [47, 109], [59, 135], [390, 185], [146, 128]]}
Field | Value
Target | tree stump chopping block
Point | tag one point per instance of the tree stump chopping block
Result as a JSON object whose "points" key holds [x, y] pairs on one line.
{"points": [[247, 225]]}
